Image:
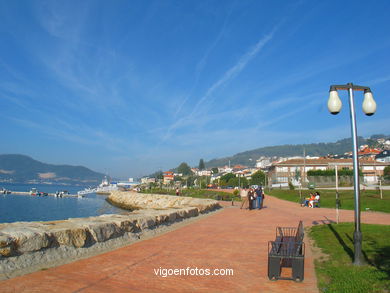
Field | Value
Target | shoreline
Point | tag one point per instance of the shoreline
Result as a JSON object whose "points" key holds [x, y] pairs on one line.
{"points": [[26, 247], [75, 254]]}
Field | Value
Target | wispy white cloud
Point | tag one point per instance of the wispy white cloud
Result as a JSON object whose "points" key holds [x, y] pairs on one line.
{"points": [[236, 69], [81, 134], [378, 80], [226, 77], [202, 63]]}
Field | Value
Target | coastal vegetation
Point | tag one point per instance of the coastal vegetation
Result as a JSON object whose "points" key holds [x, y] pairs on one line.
{"points": [[334, 268], [370, 200], [230, 179]]}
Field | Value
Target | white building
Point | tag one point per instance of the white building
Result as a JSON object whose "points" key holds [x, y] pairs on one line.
{"points": [[146, 180], [263, 162], [225, 169], [204, 173]]}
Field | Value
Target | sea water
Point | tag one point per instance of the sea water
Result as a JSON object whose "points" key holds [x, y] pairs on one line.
{"points": [[17, 208]]}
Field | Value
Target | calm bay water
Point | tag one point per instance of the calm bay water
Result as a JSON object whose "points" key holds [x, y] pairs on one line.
{"points": [[16, 208]]}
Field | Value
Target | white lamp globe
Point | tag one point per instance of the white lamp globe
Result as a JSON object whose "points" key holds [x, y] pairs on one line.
{"points": [[334, 102], [369, 104]]}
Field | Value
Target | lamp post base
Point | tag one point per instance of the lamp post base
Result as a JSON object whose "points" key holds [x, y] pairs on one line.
{"points": [[357, 242]]}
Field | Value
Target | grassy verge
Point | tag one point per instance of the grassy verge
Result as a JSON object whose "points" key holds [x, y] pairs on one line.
{"points": [[369, 199], [336, 273], [197, 193]]}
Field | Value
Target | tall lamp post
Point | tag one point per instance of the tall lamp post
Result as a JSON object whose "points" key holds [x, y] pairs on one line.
{"points": [[369, 108]]}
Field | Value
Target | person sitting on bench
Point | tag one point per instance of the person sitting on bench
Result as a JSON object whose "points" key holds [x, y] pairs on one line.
{"points": [[305, 202], [315, 200]]}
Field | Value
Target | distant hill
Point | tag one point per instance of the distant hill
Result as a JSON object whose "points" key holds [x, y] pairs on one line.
{"points": [[248, 158], [20, 169]]}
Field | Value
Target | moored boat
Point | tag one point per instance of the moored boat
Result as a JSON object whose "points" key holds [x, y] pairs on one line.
{"points": [[4, 191], [106, 187]]}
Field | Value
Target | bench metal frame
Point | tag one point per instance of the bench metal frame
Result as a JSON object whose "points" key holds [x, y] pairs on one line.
{"points": [[288, 250]]}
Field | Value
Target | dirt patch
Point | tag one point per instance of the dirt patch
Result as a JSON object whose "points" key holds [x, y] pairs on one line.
{"points": [[318, 254]]}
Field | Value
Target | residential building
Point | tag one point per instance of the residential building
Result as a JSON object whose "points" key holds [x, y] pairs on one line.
{"points": [[296, 170], [225, 169], [204, 173], [168, 177], [365, 151], [147, 180], [239, 167], [383, 157], [263, 162]]}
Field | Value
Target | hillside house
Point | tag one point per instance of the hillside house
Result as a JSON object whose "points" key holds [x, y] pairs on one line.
{"points": [[168, 177]]}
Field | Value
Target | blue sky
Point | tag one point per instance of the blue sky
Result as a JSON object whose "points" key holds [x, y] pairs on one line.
{"points": [[130, 87]]}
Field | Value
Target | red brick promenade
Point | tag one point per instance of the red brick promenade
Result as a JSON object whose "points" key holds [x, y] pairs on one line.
{"points": [[232, 238]]}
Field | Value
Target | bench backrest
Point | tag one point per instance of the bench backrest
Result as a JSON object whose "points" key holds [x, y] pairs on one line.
{"points": [[286, 249], [300, 233]]}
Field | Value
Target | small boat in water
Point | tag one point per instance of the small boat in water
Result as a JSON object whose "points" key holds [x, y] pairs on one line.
{"points": [[86, 191], [61, 193], [4, 191], [35, 192], [106, 187]]}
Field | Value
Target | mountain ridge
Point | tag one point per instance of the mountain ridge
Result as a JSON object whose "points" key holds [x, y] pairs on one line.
{"points": [[21, 168], [248, 158]]}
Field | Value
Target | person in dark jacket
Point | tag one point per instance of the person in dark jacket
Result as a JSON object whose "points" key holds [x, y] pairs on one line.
{"points": [[250, 198]]}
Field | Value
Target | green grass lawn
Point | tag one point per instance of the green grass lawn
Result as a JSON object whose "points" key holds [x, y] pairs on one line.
{"points": [[335, 271], [369, 199]]}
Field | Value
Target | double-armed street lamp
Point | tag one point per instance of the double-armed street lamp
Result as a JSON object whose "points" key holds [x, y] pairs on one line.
{"points": [[369, 108]]}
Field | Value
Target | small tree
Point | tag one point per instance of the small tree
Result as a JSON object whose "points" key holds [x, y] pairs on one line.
{"points": [[233, 182], [258, 178], [214, 170], [184, 169], [386, 172], [159, 175], [224, 181], [201, 165], [290, 185]]}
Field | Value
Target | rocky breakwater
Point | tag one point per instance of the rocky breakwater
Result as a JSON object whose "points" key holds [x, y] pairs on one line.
{"points": [[30, 246], [133, 200]]}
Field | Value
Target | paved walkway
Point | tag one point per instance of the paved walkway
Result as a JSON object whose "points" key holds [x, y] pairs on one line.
{"points": [[232, 238]]}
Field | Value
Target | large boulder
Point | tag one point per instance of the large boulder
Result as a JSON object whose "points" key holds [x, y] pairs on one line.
{"points": [[27, 238], [70, 236]]}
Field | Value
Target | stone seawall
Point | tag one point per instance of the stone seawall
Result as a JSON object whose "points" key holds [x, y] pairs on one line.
{"points": [[160, 201], [28, 246]]}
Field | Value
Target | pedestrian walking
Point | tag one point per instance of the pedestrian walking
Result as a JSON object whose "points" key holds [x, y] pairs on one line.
{"points": [[262, 198], [244, 196], [259, 197]]}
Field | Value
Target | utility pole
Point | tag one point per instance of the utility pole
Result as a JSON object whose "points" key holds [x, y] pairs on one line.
{"points": [[337, 194], [304, 165]]}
